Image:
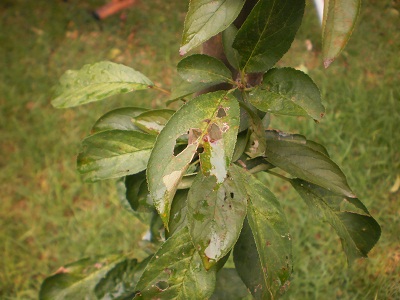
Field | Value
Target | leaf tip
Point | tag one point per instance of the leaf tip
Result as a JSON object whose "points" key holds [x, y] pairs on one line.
{"points": [[182, 51], [327, 62]]}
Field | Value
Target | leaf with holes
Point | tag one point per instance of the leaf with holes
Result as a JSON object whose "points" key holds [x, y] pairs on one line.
{"points": [[215, 216], [287, 91], [176, 272], [357, 230], [267, 33], [340, 17], [308, 163], [208, 119], [207, 18], [270, 258], [96, 82], [205, 69], [120, 118], [88, 277], [153, 121], [114, 153]]}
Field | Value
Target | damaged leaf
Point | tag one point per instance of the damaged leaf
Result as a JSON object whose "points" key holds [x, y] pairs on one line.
{"points": [[263, 256], [215, 216], [205, 118], [176, 272]]}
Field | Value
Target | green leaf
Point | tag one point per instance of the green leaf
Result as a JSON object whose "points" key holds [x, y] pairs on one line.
{"points": [[287, 91], [308, 163], [178, 212], [133, 195], [271, 261], [228, 36], [203, 68], [267, 33], [340, 17], [208, 118], [207, 18], [176, 272], [120, 282], [96, 82], [114, 153], [230, 287], [120, 118], [257, 143], [153, 121], [184, 88], [357, 230], [81, 279], [215, 216]]}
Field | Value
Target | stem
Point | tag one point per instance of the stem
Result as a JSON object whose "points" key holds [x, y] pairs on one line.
{"points": [[278, 175], [161, 89]]}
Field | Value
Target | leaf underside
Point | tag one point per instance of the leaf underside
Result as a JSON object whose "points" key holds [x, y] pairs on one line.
{"points": [[340, 17]]}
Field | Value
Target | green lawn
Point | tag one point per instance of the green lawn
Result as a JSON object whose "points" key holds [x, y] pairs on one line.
{"points": [[49, 217]]}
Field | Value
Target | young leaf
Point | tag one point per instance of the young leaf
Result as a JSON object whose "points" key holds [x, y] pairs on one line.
{"points": [[120, 118], [271, 262], [96, 82], [176, 272], [153, 121], [215, 216], [228, 36], [210, 117], [267, 33], [85, 278], [230, 287], [357, 230], [305, 162], [338, 23], [114, 153], [207, 18], [288, 91], [203, 68]]}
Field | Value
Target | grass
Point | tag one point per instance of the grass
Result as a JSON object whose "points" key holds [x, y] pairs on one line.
{"points": [[49, 217]]}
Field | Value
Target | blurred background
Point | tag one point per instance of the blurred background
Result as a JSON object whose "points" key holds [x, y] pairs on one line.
{"points": [[49, 217]]}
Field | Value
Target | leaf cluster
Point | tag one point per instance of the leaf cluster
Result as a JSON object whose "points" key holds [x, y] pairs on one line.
{"points": [[191, 173]]}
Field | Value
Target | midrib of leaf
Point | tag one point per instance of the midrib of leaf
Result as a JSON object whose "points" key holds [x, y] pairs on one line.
{"points": [[265, 28]]}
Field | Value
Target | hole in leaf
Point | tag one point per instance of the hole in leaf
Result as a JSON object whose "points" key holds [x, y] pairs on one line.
{"points": [[162, 285], [214, 132], [232, 195], [179, 149], [221, 113]]}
